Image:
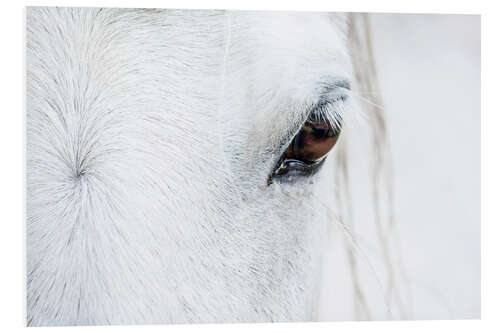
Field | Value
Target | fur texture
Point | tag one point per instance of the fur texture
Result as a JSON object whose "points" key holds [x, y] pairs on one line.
{"points": [[151, 134]]}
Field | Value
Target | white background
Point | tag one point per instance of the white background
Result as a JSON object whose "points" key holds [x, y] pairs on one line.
{"points": [[12, 167], [429, 69]]}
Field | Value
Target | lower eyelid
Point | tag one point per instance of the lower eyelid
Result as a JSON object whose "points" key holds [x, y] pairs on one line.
{"points": [[301, 168]]}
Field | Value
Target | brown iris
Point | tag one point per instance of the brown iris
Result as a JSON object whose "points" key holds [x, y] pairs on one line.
{"points": [[312, 142], [308, 148]]}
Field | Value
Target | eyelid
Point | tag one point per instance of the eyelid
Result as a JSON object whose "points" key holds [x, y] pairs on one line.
{"points": [[335, 84], [334, 90]]}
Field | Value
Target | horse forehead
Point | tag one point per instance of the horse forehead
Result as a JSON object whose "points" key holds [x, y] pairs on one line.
{"points": [[292, 33], [289, 51]]}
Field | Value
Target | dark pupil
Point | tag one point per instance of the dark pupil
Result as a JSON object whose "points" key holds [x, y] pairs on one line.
{"points": [[312, 142]]}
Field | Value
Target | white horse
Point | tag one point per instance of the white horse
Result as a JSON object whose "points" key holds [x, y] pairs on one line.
{"points": [[176, 163]]}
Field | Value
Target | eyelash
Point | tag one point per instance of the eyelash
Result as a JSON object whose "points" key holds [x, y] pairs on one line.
{"points": [[324, 110]]}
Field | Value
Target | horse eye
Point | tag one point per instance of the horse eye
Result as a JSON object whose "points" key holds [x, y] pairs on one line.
{"points": [[308, 149]]}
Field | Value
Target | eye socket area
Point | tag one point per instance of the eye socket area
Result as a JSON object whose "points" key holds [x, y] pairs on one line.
{"points": [[308, 149]]}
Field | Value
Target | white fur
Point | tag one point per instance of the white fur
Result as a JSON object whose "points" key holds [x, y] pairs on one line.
{"points": [[151, 134]]}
